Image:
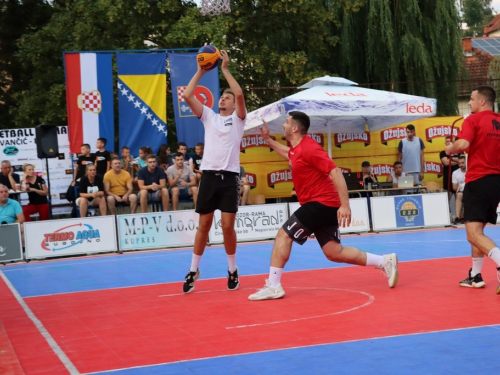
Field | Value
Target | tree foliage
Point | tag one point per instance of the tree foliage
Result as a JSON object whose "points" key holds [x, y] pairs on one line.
{"points": [[272, 44], [476, 14]]}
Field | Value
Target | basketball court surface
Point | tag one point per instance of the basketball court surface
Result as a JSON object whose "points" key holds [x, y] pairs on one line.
{"points": [[126, 314]]}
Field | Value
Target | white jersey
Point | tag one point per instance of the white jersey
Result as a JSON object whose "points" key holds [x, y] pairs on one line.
{"points": [[222, 141], [458, 177]]}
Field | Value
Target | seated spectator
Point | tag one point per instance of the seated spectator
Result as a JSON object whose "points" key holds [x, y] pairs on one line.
{"points": [[182, 181], [118, 187], [8, 177], [141, 161], [396, 174], [37, 193], [83, 160], [458, 182], [182, 148], [245, 187], [91, 192], [10, 210], [368, 175], [164, 158], [127, 160], [195, 161], [152, 180]]}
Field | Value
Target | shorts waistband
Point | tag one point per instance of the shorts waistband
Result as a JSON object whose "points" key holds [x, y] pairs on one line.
{"points": [[220, 172]]}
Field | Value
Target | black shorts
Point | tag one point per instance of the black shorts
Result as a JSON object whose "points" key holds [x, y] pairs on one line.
{"points": [[218, 191], [481, 198], [313, 217]]}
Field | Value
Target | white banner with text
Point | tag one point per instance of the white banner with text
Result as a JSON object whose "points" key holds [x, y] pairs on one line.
{"points": [[157, 230], [53, 238], [255, 222]]}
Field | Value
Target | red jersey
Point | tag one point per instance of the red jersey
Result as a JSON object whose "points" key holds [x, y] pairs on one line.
{"points": [[311, 166], [482, 130]]}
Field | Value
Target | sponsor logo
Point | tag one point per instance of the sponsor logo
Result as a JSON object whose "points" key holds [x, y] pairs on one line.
{"points": [[433, 167], [90, 101], [69, 236], [421, 108], [341, 138], [250, 141], [320, 138], [344, 94], [278, 177], [392, 134], [3, 251], [409, 211], [382, 169], [10, 150], [202, 93], [252, 180], [344, 170], [357, 223], [440, 131]]}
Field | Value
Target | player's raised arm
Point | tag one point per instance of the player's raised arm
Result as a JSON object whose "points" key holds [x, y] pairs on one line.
{"points": [[239, 99], [280, 148], [189, 97]]}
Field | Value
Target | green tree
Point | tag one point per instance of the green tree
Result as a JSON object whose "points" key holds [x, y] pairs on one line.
{"points": [[476, 14], [17, 18]]}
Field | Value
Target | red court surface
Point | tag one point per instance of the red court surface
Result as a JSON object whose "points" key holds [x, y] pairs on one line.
{"points": [[137, 326]]}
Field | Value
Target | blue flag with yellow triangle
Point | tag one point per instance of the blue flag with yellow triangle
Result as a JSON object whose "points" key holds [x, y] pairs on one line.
{"points": [[142, 100]]}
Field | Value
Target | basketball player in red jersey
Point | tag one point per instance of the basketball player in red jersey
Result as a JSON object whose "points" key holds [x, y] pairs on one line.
{"points": [[480, 136], [324, 200]]}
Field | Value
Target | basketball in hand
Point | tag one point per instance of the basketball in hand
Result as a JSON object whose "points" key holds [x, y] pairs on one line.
{"points": [[208, 57]]}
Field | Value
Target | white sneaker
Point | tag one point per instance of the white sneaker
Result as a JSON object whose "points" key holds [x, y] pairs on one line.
{"points": [[268, 292], [390, 269]]}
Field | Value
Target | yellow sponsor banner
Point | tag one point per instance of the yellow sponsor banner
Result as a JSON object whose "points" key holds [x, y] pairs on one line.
{"points": [[273, 179]]}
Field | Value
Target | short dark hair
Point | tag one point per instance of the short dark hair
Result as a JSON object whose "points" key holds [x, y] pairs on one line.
{"points": [[178, 155], [125, 148], [150, 156], [461, 156], [103, 140], [181, 144], [200, 144], [487, 92], [447, 137], [302, 120], [85, 145], [397, 163], [410, 127], [146, 149]]}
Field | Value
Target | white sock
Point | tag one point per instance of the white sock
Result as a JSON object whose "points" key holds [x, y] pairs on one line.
{"points": [[275, 276], [195, 262], [374, 260], [494, 255], [231, 261], [477, 266]]}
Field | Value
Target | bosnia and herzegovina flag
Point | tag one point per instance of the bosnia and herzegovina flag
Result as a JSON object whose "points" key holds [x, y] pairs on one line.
{"points": [[142, 100], [89, 99]]}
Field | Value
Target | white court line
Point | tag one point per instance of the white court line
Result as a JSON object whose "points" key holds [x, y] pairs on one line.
{"points": [[41, 328]]}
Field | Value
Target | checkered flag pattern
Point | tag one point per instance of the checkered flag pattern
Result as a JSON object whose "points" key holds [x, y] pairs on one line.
{"points": [[91, 101], [180, 93]]}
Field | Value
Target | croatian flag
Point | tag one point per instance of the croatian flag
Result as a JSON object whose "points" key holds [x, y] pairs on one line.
{"points": [[89, 99]]}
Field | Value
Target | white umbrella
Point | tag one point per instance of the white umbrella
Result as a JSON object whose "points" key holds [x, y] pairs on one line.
{"points": [[335, 106]]}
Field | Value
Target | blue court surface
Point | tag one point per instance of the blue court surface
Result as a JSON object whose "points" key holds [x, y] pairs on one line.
{"points": [[426, 325]]}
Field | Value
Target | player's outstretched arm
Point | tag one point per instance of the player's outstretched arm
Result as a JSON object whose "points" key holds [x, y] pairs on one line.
{"points": [[189, 97], [281, 149], [241, 109]]}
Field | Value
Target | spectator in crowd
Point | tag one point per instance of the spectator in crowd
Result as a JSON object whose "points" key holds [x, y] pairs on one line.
{"points": [[182, 181], [83, 160], [458, 181], [118, 187], [182, 148], [396, 173], [141, 161], [102, 157], [127, 160], [152, 181], [91, 191], [8, 177], [164, 158], [411, 154], [195, 161], [368, 175], [10, 210], [447, 161], [37, 193], [245, 187]]}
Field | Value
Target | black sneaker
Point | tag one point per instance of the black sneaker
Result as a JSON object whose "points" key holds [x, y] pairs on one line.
{"points": [[473, 282], [191, 278], [456, 221], [233, 280]]}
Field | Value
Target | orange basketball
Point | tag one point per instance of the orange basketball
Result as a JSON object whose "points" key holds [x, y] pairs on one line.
{"points": [[208, 57]]}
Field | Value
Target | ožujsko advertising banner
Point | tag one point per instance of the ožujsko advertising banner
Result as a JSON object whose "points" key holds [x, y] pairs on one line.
{"points": [[19, 147], [53, 238], [360, 221], [252, 223], [157, 230], [349, 150]]}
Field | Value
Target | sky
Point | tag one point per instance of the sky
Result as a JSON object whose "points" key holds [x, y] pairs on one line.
{"points": [[495, 4]]}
